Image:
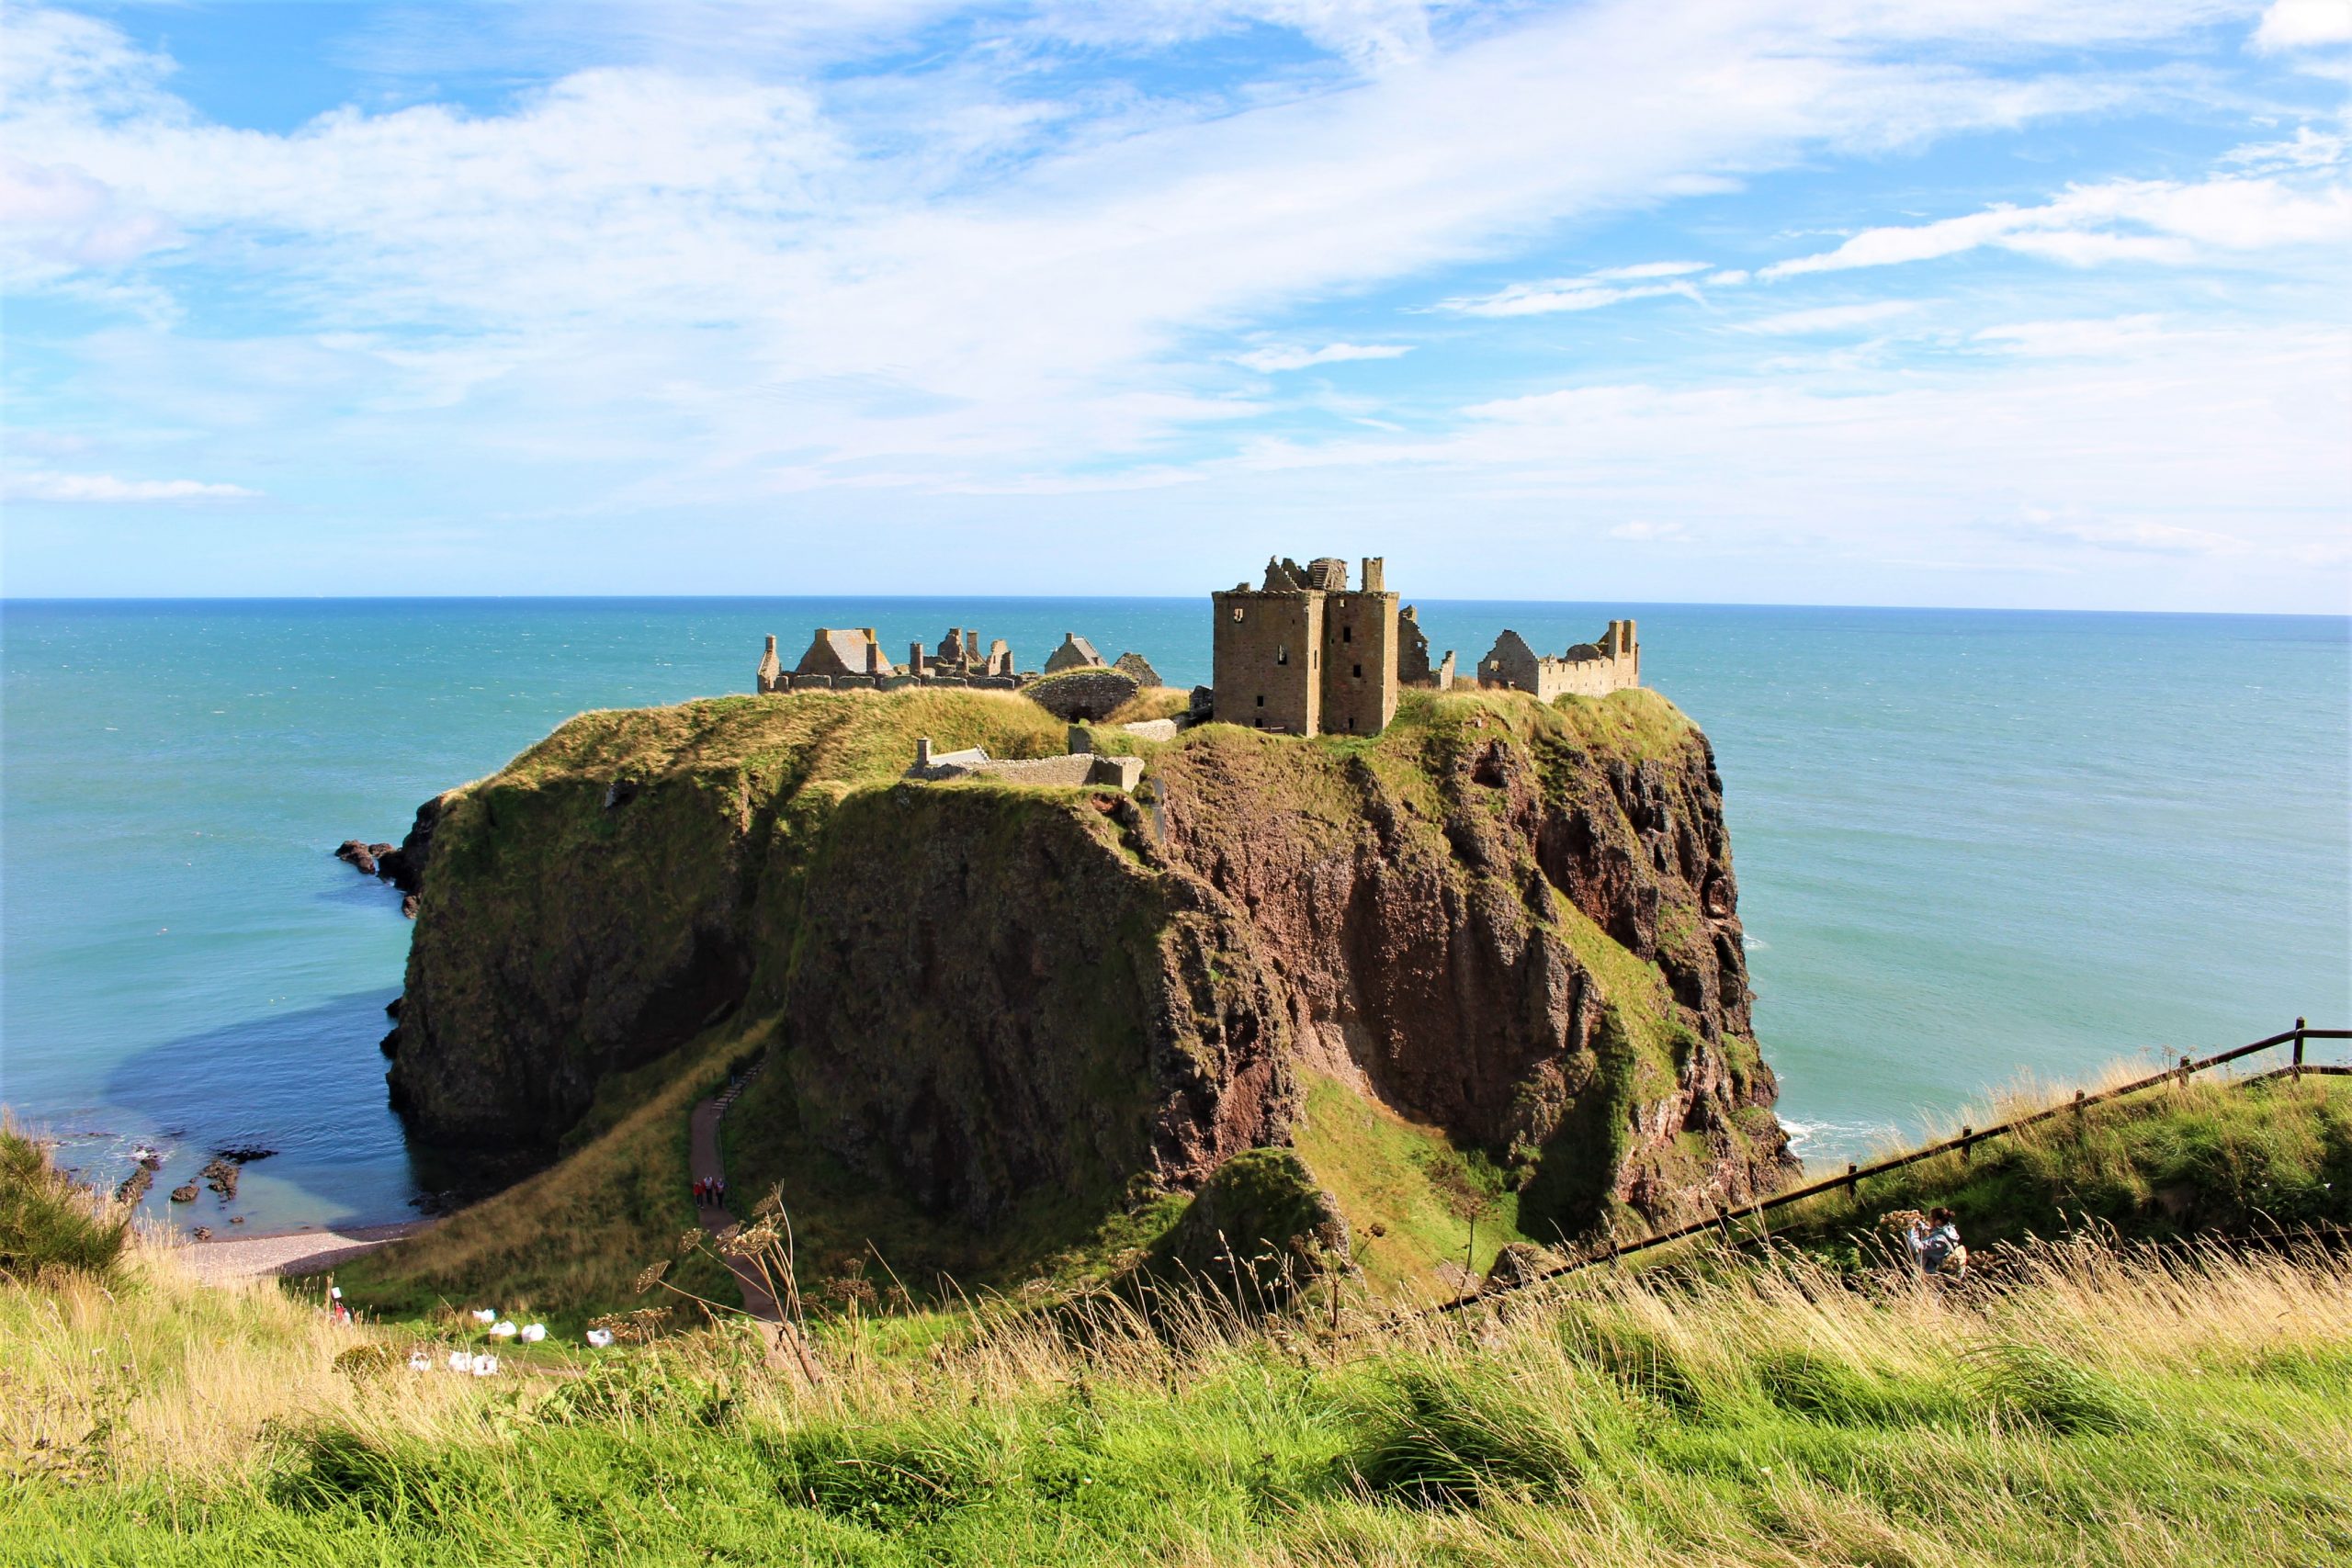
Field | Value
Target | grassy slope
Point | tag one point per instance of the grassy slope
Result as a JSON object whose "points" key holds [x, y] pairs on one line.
{"points": [[1408, 1194], [47, 1222], [2101, 1409], [2176, 1161]]}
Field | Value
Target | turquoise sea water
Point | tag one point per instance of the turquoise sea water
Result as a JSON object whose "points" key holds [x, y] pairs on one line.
{"points": [[1970, 843]]}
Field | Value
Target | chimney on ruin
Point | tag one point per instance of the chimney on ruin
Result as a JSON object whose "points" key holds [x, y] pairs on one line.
{"points": [[915, 659], [972, 647], [923, 752], [1375, 574]]}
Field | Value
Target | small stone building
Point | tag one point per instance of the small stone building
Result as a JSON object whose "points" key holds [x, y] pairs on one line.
{"points": [[838, 653], [1304, 654], [1075, 653], [1586, 670]]}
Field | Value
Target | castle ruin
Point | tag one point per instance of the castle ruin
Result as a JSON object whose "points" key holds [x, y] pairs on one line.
{"points": [[1304, 654], [1586, 670]]}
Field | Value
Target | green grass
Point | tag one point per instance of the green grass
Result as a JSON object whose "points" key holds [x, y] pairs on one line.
{"points": [[1408, 1195], [47, 1222], [2101, 1407], [2214, 1157]]}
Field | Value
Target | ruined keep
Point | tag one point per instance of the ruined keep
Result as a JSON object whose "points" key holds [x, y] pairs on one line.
{"points": [[1586, 670], [1304, 654]]}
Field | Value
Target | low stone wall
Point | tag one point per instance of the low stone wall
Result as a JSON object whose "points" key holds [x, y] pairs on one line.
{"points": [[1083, 693]]}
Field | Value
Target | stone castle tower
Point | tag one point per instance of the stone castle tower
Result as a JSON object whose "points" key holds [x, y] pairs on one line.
{"points": [[1304, 654]]}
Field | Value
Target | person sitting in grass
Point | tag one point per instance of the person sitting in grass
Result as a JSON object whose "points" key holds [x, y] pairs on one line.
{"points": [[1936, 1246]]}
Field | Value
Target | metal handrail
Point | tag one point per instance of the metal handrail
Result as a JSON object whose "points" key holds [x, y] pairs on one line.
{"points": [[1969, 1137]]}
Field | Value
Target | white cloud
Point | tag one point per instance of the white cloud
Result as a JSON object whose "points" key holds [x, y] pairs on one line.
{"points": [[2301, 24], [51, 486], [2153, 443], [2168, 221], [1648, 269], [1566, 294], [1642, 529], [2074, 339], [2138, 534], [1831, 318], [1273, 360], [2310, 149]]}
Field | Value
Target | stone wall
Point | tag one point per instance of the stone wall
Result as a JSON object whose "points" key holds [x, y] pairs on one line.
{"points": [[1413, 666], [1082, 693]]}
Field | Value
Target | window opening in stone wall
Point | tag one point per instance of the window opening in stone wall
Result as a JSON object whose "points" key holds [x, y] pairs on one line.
{"points": [[1237, 612], [1262, 699], [1282, 655], [1359, 672], [1347, 634]]}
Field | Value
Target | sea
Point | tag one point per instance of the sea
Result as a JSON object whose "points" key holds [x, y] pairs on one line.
{"points": [[1972, 846]]}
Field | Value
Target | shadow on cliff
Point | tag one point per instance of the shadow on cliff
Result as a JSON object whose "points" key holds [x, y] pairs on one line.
{"points": [[307, 1083]]}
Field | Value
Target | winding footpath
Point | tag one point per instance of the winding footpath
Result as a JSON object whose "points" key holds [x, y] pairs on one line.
{"points": [[703, 1156]]}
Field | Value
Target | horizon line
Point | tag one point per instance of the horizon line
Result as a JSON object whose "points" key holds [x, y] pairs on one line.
{"points": [[8, 601]]}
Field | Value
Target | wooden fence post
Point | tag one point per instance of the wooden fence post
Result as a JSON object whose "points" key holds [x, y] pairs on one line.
{"points": [[1853, 1187], [2184, 1072], [1966, 1133], [2298, 1069]]}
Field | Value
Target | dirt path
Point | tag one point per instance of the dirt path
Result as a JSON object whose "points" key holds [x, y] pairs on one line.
{"points": [[298, 1252], [702, 1154]]}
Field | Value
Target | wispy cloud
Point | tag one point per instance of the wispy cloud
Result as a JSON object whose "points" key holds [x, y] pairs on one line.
{"points": [[1566, 294], [2156, 220], [1830, 317], [1273, 359], [43, 485]]}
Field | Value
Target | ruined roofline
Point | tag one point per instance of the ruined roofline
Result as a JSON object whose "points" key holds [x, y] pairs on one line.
{"points": [[1324, 576]]}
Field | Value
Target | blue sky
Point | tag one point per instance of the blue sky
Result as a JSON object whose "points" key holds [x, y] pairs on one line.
{"points": [[1851, 301]]}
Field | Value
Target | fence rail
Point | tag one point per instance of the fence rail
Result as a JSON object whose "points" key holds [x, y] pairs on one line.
{"points": [[1855, 1175]]}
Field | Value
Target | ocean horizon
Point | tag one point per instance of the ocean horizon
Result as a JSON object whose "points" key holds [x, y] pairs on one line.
{"points": [[1972, 845]]}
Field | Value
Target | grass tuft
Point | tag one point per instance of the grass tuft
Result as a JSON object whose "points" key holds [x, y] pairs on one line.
{"points": [[47, 1222]]}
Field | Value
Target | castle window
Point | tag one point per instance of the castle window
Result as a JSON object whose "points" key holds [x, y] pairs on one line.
{"points": [[1237, 612], [1359, 672], [1347, 634], [1282, 655], [1262, 699]]}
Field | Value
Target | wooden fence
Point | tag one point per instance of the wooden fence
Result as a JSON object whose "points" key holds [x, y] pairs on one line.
{"points": [[1968, 1139]]}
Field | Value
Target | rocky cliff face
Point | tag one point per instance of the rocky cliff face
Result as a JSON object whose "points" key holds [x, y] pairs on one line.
{"points": [[1514, 923]]}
